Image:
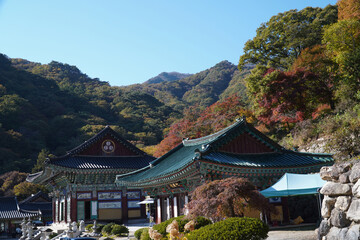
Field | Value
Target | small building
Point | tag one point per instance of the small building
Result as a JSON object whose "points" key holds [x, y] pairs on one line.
{"points": [[82, 181], [11, 215], [38, 202], [239, 150]]}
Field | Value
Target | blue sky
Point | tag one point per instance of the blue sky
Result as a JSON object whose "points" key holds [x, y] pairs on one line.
{"points": [[125, 42]]}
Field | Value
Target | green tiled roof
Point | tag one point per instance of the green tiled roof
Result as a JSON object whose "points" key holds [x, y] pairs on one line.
{"points": [[269, 160], [176, 159], [184, 154]]}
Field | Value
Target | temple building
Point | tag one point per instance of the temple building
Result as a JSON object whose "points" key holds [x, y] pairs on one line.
{"points": [[11, 216], [38, 202], [239, 150], [82, 181]]}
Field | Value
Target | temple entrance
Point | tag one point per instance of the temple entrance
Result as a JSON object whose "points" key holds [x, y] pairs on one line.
{"points": [[87, 210]]}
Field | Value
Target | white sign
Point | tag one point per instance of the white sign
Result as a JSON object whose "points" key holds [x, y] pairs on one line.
{"points": [[109, 195], [103, 205]]}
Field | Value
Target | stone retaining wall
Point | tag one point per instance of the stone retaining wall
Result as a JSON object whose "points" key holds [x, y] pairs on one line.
{"points": [[341, 205]]}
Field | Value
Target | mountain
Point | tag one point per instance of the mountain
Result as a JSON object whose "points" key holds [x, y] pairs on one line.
{"points": [[167, 77], [55, 107], [201, 89]]}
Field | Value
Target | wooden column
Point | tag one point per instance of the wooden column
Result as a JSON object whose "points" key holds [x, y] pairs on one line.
{"points": [[175, 206], [167, 208], [158, 210]]}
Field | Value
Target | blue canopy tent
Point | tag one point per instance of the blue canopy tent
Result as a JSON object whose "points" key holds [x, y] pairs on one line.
{"points": [[291, 184], [294, 184]]}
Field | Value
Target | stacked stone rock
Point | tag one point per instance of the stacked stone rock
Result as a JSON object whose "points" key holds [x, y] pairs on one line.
{"points": [[341, 204]]}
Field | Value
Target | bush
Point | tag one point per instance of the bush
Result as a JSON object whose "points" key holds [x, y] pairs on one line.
{"points": [[119, 230], [138, 232], [145, 235], [161, 227], [99, 227], [88, 228], [107, 228], [201, 222], [232, 228], [52, 235]]}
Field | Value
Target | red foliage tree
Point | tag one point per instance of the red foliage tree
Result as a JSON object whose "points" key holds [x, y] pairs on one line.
{"points": [[348, 9], [291, 97], [225, 198], [196, 123]]}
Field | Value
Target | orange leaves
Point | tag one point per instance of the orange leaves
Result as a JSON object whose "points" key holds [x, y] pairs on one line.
{"points": [[348, 9], [196, 123]]}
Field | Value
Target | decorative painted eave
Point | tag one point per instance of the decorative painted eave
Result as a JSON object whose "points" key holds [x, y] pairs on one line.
{"points": [[101, 162], [176, 175]]}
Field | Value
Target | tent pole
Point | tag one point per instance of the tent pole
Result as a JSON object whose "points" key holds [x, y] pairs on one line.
{"points": [[319, 204]]}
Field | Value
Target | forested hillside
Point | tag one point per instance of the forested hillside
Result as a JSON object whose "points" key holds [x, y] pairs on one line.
{"points": [[201, 89], [304, 85], [51, 108], [298, 80], [167, 77]]}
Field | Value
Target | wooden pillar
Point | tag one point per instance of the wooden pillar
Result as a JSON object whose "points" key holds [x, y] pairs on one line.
{"points": [[125, 215], [74, 209], [167, 208], [186, 202], [158, 210], [175, 206]]}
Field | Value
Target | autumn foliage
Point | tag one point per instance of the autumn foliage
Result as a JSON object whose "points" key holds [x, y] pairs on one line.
{"points": [[225, 198], [197, 123], [348, 9]]}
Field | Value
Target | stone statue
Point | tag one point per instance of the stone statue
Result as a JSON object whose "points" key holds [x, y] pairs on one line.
{"points": [[69, 232], [82, 226], [94, 227], [74, 227], [95, 233], [23, 229], [29, 230]]}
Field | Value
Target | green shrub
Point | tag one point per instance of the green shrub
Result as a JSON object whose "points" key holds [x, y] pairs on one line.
{"points": [[88, 228], [145, 235], [138, 232], [99, 227], [107, 228], [119, 230], [201, 222], [232, 228], [161, 227], [52, 235]]}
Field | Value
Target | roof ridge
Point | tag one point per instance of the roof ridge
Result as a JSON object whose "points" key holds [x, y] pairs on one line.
{"points": [[212, 137]]}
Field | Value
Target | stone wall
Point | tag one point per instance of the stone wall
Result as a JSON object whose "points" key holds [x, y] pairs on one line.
{"points": [[341, 205]]}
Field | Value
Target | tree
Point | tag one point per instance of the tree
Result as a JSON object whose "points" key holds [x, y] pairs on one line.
{"points": [[196, 123], [285, 97], [316, 60], [280, 41], [348, 9], [342, 40], [9, 180], [43, 155], [25, 189], [226, 198]]}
